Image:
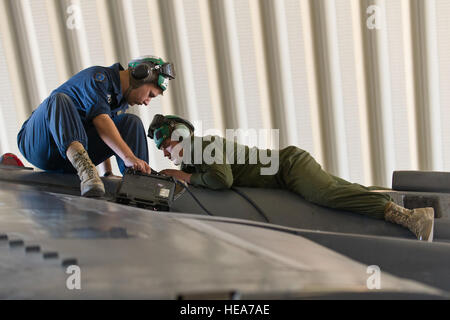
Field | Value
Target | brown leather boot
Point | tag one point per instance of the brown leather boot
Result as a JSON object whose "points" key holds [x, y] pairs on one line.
{"points": [[419, 221], [91, 184]]}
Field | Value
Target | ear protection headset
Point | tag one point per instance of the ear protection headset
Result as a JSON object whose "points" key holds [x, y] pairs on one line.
{"points": [[150, 69], [162, 128]]}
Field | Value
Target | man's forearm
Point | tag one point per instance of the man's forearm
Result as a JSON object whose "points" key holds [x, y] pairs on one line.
{"points": [[108, 132], [105, 166]]}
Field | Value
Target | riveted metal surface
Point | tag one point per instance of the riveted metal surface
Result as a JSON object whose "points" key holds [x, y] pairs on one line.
{"points": [[30, 249], [16, 243], [162, 256], [126, 252]]}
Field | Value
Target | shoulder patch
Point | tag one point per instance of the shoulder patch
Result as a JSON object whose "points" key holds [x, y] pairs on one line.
{"points": [[100, 77]]}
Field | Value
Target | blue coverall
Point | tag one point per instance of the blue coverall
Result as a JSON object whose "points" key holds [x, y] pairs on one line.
{"points": [[66, 116]]}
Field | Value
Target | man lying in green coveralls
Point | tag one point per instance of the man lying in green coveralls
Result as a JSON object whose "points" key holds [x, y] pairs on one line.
{"points": [[297, 172]]}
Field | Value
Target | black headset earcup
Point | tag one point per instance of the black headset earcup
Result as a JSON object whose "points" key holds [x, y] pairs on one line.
{"points": [[157, 122], [141, 72], [187, 123]]}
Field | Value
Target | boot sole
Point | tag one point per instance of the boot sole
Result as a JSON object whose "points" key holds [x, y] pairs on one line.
{"points": [[430, 229], [430, 238], [94, 193]]}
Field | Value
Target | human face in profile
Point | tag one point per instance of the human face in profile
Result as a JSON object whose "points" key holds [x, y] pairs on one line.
{"points": [[144, 94], [172, 150]]}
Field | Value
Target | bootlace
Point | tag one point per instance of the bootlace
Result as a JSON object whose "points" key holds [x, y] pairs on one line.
{"points": [[398, 214], [86, 166], [89, 169]]}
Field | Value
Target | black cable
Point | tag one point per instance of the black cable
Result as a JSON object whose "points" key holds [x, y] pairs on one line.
{"points": [[243, 195], [194, 197]]}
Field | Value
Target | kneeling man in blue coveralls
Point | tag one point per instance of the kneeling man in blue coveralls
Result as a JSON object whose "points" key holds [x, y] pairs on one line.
{"points": [[82, 123]]}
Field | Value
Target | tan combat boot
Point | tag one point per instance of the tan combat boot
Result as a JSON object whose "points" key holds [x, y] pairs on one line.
{"points": [[91, 184], [419, 221]]}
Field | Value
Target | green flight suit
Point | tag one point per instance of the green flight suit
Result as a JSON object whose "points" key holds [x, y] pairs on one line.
{"points": [[297, 172]]}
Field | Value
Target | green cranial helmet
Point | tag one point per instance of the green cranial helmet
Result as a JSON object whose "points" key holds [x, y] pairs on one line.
{"points": [[150, 69], [163, 127]]}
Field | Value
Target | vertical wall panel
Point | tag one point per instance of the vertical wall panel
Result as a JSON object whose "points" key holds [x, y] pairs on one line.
{"points": [[374, 87], [443, 31], [76, 36], [299, 76], [19, 102], [227, 59], [260, 58], [247, 61], [61, 54], [4, 137], [345, 32], [423, 84], [123, 30], [9, 120], [91, 21], [46, 49], [278, 68], [175, 42], [23, 86], [69, 37], [397, 53], [325, 81], [211, 67], [199, 64], [25, 43]]}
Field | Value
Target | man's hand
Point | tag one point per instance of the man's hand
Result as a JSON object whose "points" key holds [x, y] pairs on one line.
{"points": [[137, 164], [177, 174], [108, 132]]}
